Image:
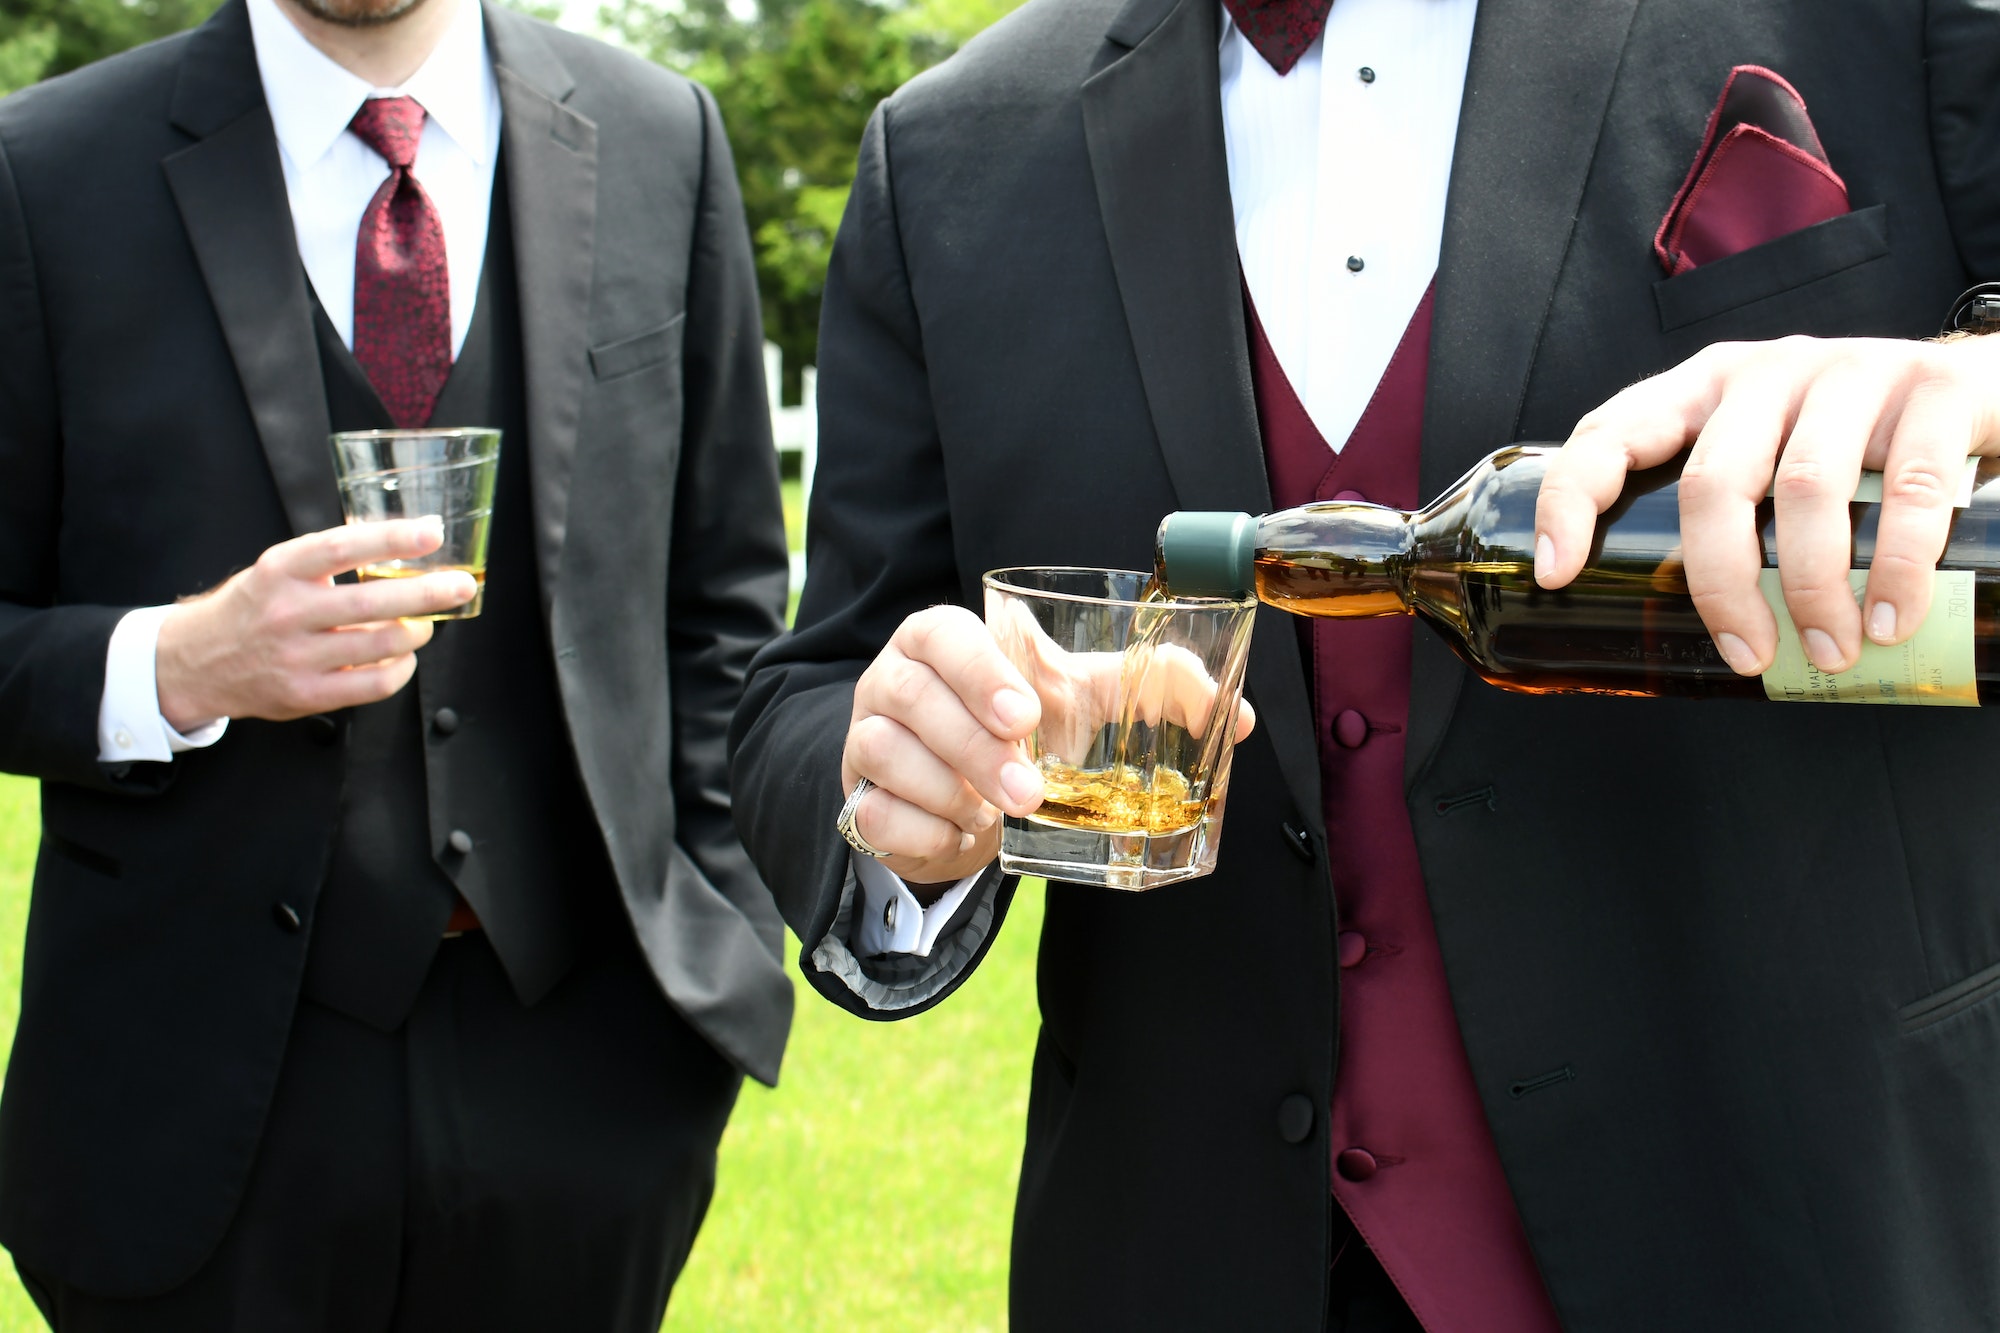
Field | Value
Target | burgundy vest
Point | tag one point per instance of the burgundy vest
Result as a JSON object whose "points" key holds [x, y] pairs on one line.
{"points": [[1414, 1162]]}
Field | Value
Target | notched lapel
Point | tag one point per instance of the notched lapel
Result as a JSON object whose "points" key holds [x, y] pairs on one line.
{"points": [[551, 180], [1152, 118], [230, 189], [1535, 96]]}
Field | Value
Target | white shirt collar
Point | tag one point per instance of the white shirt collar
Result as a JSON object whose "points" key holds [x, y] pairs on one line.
{"points": [[312, 98]]}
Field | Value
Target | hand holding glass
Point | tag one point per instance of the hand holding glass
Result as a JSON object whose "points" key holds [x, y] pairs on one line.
{"points": [[387, 474], [1139, 720]]}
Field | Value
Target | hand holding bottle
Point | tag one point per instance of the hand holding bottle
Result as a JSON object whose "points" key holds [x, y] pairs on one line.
{"points": [[1796, 420]]}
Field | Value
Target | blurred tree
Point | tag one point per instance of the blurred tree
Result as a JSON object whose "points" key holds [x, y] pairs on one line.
{"points": [[39, 38], [796, 81]]}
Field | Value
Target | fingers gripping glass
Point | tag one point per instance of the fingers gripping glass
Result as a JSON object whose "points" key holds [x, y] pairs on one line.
{"points": [[1139, 702], [387, 474]]}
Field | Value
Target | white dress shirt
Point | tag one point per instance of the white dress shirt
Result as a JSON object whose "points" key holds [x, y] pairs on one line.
{"points": [[330, 177], [1347, 157]]}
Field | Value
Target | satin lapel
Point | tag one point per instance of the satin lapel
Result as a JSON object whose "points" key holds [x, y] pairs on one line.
{"points": [[230, 188], [1153, 122], [550, 154], [1535, 97]]}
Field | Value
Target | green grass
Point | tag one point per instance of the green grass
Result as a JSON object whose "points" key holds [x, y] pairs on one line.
{"points": [[873, 1189], [795, 513]]}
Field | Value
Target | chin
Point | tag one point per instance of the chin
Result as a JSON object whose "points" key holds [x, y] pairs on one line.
{"points": [[358, 13]]}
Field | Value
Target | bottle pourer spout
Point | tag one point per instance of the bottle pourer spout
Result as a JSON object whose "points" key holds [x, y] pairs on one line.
{"points": [[1206, 553]]}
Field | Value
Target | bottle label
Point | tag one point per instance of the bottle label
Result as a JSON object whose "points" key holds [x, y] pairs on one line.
{"points": [[1933, 666]]}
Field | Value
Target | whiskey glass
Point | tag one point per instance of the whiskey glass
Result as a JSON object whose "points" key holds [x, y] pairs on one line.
{"points": [[450, 472], [1139, 697]]}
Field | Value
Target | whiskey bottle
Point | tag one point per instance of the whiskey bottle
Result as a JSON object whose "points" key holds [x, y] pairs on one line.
{"points": [[1626, 625]]}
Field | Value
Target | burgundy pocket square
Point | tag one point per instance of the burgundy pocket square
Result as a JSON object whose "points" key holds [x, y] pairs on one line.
{"points": [[1761, 173]]}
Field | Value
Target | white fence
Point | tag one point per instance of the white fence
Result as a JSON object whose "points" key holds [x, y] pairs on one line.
{"points": [[795, 430]]}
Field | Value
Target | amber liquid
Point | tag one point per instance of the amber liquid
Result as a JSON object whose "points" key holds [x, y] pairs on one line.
{"points": [[1117, 800], [1626, 626], [1132, 794], [369, 573]]}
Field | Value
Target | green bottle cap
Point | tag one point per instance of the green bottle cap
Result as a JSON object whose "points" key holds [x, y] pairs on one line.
{"points": [[1207, 553]]}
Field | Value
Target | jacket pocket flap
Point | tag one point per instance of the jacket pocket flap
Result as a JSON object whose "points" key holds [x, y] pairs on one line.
{"points": [[1819, 251], [1955, 998], [628, 355]]}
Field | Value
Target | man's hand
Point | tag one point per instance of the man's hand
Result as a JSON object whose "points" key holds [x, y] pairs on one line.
{"points": [[937, 721], [1797, 420], [282, 640]]}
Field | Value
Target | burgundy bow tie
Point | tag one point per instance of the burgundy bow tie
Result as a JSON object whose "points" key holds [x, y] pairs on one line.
{"points": [[1281, 30]]}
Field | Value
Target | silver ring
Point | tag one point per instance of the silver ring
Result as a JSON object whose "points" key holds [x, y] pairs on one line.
{"points": [[850, 830]]}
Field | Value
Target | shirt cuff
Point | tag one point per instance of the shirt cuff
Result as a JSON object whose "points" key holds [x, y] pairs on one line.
{"points": [[892, 920], [130, 727]]}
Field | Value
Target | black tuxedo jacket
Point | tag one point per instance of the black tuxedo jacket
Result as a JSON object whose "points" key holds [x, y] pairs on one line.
{"points": [[163, 420], [1764, 942]]}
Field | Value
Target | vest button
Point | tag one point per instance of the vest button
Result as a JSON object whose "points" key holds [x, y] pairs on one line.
{"points": [[1353, 947], [460, 841], [1350, 729], [324, 728], [1353, 497], [1295, 1118], [287, 917], [1356, 1164], [444, 721]]}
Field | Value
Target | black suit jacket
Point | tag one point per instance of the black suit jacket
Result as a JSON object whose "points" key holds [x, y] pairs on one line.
{"points": [[162, 421], [1764, 941]]}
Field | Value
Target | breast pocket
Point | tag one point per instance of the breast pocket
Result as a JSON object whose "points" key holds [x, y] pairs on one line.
{"points": [[642, 351], [1774, 268]]}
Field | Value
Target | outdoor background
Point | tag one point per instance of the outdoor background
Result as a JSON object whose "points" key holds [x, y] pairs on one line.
{"points": [[874, 1188]]}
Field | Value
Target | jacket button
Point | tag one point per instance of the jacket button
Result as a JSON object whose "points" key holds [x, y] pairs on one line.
{"points": [[460, 841], [324, 728], [1356, 1164], [287, 917], [445, 721], [1350, 729], [1295, 1118], [1353, 946], [1299, 841]]}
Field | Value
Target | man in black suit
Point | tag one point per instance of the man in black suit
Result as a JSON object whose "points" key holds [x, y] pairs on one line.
{"points": [[1723, 975], [352, 1000]]}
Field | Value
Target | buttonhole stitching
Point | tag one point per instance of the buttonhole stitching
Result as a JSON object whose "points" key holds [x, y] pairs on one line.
{"points": [[1448, 805], [1539, 1082]]}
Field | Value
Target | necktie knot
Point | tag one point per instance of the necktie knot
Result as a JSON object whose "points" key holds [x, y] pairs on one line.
{"points": [[391, 126], [1280, 30]]}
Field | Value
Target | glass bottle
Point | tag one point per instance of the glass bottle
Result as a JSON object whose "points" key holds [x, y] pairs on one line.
{"points": [[1626, 625]]}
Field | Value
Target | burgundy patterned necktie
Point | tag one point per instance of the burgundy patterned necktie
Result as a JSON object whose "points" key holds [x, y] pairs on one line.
{"points": [[1281, 30], [402, 283]]}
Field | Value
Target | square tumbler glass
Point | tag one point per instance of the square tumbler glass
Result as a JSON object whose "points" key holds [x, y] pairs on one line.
{"points": [[449, 472], [1139, 697]]}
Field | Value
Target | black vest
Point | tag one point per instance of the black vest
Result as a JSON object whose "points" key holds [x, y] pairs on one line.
{"points": [[464, 782]]}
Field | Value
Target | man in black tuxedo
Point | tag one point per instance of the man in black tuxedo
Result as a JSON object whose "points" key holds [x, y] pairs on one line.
{"points": [[352, 1000], [1723, 975]]}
